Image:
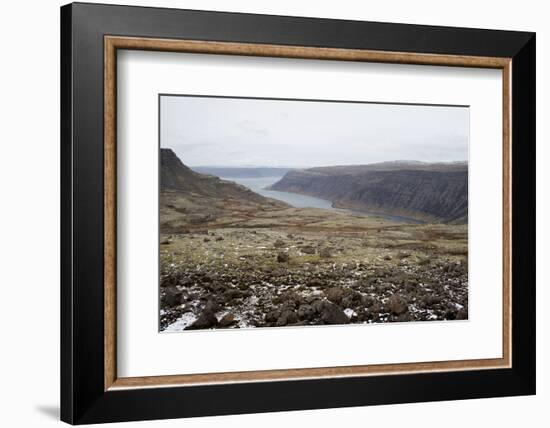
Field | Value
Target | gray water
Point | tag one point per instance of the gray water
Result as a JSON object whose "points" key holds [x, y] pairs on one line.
{"points": [[297, 200]]}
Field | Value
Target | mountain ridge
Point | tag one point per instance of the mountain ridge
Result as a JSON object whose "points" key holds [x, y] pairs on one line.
{"points": [[241, 172], [176, 176], [189, 199]]}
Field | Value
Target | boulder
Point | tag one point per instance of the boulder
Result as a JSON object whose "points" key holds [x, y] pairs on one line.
{"points": [[315, 282], [335, 294], [325, 253], [288, 298], [233, 293], [351, 300], [307, 249], [406, 317], [212, 306], [430, 301], [318, 306], [227, 320], [279, 243], [367, 301], [462, 314], [397, 305], [306, 312], [283, 257], [272, 316], [287, 317], [450, 313], [207, 319], [169, 280], [376, 308], [332, 314], [172, 296]]}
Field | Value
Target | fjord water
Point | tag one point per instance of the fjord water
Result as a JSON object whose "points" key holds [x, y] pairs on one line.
{"points": [[259, 185]]}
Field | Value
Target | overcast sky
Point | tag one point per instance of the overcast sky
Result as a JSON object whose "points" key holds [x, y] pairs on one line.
{"points": [[247, 132]]}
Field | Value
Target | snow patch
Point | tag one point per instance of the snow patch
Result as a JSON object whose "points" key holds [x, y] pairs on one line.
{"points": [[181, 323], [349, 312]]}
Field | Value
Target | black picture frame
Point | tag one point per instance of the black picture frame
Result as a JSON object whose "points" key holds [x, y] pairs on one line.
{"points": [[83, 398]]}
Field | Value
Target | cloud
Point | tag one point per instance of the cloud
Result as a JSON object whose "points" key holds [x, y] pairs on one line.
{"points": [[252, 128]]}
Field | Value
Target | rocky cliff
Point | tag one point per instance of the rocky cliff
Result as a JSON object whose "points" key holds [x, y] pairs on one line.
{"points": [[428, 191]]}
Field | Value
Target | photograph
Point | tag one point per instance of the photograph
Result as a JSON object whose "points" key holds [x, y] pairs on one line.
{"points": [[284, 212]]}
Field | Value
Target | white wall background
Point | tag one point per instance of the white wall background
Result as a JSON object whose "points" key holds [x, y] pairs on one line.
{"points": [[29, 218]]}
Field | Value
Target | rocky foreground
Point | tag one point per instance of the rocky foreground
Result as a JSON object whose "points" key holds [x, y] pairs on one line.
{"points": [[239, 277]]}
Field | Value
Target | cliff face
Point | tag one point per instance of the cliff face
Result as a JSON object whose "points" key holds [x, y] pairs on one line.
{"points": [[433, 192]]}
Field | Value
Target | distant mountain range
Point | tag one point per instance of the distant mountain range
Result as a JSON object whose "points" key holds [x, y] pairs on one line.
{"points": [[428, 191], [241, 172]]}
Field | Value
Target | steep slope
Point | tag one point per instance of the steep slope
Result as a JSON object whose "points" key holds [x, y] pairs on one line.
{"points": [[175, 176], [190, 200], [432, 192]]}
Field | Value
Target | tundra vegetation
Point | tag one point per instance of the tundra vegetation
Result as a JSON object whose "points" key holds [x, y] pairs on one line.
{"points": [[230, 258]]}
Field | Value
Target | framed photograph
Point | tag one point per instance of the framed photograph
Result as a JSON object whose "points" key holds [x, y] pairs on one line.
{"points": [[265, 213]]}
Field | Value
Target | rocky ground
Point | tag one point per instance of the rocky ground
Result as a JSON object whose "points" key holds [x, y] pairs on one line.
{"points": [[293, 267]]}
